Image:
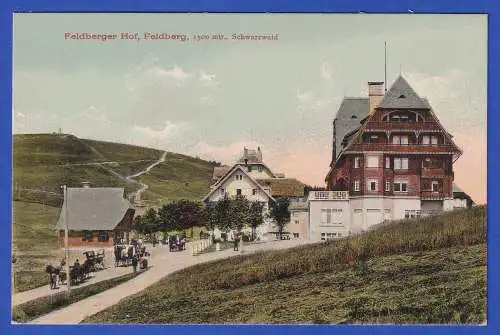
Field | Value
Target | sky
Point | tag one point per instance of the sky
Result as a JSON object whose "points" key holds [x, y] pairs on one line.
{"points": [[210, 98]]}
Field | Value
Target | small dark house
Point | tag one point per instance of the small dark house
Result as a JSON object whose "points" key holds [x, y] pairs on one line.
{"points": [[96, 217]]}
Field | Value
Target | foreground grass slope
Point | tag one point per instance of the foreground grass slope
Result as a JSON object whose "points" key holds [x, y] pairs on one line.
{"points": [[431, 270]]}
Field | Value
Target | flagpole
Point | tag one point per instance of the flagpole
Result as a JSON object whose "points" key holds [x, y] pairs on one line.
{"points": [[68, 278], [385, 66]]}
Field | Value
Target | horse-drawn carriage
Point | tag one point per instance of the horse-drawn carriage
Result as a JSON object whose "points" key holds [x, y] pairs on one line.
{"points": [[95, 260], [177, 243], [78, 272], [125, 254]]}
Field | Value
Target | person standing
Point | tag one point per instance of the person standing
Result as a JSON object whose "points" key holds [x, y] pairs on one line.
{"points": [[134, 263], [236, 242]]}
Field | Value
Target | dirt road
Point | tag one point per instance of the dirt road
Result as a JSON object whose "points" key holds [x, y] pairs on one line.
{"points": [[164, 263]]}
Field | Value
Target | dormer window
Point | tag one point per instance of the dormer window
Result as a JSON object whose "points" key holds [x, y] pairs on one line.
{"points": [[354, 117], [402, 96]]}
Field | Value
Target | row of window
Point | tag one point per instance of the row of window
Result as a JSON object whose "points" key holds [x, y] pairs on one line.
{"points": [[88, 236], [404, 140], [398, 186], [250, 168], [399, 163], [331, 234], [238, 191], [331, 216]]}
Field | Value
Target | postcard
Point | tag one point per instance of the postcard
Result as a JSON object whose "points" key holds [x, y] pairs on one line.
{"points": [[249, 168]]}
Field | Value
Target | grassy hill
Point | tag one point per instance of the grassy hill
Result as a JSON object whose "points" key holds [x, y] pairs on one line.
{"points": [[429, 270], [44, 162]]}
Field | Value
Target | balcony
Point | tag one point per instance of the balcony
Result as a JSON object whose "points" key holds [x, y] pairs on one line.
{"points": [[430, 195], [404, 148], [328, 195], [404, 126]]}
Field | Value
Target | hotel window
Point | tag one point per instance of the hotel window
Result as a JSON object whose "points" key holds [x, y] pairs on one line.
{"points": [[259, 168], [296, 221], [87, 235], [331, 216], [249, 168], [356, 162], [103, 236], [222, 191], [373, 139], [430, 140], [372, 185], [400, 139], [238, 191], [400, 163], [387, 163], [387, 186], [356, 186], [295, 235], [412, 213], [400, 186], [372, 162], [254, 191], [435, 186]]}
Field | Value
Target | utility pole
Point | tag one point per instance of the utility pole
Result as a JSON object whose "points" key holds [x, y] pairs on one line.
{"points": [[68, 279]]}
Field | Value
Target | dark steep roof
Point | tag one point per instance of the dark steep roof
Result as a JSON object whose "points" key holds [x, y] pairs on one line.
{"points": [[94, 208], [401, 95], [283, 187], [349, 115], [220, 171]]}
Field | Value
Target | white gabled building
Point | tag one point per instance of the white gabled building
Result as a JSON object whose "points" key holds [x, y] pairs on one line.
{"points": [[254, 180]]}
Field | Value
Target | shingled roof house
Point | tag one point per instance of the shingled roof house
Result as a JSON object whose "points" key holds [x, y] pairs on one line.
{"points": [[391, 159], [96, 217], [252, 178]]}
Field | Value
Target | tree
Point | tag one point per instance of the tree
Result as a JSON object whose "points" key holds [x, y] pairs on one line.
{"points": [[211, 215], [255, 216], [240, 208], [182, 215], [223, 217], [149, 223], [279, 212]]}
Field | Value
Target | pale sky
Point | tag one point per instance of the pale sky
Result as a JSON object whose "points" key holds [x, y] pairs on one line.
{"points": [[210, 98]]}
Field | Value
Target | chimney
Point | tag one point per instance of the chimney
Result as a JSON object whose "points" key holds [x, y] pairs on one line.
{"points": [[259, 154], [86, 184], [375, 94]]}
